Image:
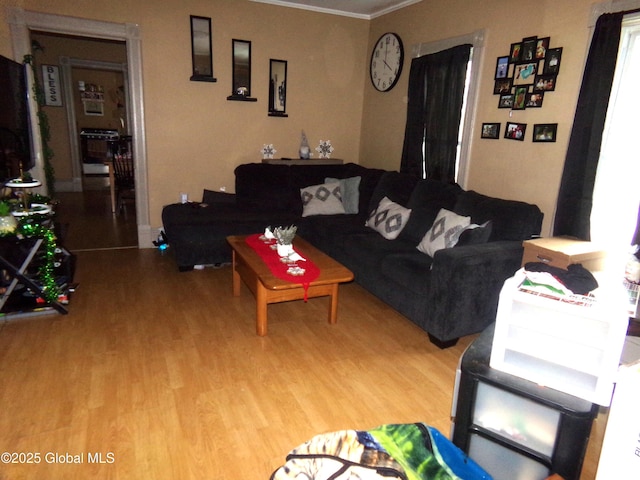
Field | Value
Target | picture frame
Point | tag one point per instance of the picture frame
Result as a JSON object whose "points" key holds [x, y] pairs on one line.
{"points": [[520, 98], [525, 73], [502, 86], [515, 52], [552, 61], [506, 101], [534, 100], [515, 131], [490, 130], [544, 83], [545, 132], [528, 52], [502, 67], [542, 45]]}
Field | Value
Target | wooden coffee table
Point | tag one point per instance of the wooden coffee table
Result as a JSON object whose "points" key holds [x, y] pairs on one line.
{"points": [[268, 288]]}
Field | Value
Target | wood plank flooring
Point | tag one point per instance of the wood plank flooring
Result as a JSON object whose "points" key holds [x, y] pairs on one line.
{"points": [[88, 223], [162, 375]]}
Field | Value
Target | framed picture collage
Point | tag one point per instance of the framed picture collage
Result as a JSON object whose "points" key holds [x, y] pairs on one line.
{"points": [[522, 79]]}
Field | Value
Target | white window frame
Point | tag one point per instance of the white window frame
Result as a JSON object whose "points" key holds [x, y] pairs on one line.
{"points": [[476, 39]]}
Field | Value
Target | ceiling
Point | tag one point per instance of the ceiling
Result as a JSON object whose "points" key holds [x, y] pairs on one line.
{"points": [[366, 9]]}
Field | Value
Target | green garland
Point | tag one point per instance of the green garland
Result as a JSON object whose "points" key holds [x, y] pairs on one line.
{"points": [[43, 122], [34, 228]]}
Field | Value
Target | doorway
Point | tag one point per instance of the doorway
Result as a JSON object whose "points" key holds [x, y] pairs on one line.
{"points": [[22, 22]]}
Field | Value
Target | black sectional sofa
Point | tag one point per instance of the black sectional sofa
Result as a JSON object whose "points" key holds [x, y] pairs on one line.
{"points": [[452, 294]]}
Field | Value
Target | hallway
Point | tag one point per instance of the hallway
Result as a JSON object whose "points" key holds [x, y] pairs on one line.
{"points": [[88, 224]]}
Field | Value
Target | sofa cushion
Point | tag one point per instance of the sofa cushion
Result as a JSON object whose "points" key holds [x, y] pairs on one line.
{"points": [[444, 232], [262, 187], [350, 190], [426, 200], [323, 199], [412, 271], [475, 234], [396, 186], [388, 219], [511, 219]]}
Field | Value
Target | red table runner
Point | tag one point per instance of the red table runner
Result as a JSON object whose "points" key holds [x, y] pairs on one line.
{"points": [[279, 268]]}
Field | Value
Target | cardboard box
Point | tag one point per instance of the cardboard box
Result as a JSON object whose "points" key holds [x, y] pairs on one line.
{"points": [[561, 252]]}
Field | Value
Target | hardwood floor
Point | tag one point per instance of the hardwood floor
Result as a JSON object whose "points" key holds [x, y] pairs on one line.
{"points": [[161, 373], [88, 223]]}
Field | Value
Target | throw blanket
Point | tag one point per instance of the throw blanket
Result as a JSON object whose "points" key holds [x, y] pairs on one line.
{"points": [[406, 451]]}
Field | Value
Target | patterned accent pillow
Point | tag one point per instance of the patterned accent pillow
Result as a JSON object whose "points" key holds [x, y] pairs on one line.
{"points": [[444, 232], [388, 219], [350, 189], [323, 199]]}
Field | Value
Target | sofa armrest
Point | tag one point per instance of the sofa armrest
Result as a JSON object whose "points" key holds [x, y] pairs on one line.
{"points": [[465, 286]]}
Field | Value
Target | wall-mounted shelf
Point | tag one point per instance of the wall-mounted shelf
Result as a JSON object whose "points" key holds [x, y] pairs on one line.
{"points": [[241, 98]]}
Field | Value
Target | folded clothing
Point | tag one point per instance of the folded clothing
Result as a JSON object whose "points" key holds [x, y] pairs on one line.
{"points": [[576, 278]]}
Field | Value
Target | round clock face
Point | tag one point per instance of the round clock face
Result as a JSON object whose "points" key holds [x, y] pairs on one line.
{"points": [[386, 62]]}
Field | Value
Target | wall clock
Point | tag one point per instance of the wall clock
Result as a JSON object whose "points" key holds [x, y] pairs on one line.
{"points": [[386, 62]]}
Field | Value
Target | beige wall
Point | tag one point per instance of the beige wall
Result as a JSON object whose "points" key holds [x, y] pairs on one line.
{"points": [[505, 168], [195, 137], [55, 46]]}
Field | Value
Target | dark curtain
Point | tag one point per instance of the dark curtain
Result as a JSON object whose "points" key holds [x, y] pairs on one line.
{"points": [[575, 198], [436, 94]]}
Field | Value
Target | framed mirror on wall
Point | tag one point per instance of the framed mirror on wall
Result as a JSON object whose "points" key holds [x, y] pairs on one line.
{"points": [[241, 67], [201, 50], [277, 88]]}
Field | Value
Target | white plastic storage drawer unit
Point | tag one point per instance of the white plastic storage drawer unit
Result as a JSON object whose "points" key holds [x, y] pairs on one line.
{"points": [[571, 344]]}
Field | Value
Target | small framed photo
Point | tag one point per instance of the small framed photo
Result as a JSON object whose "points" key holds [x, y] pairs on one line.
{"points": [[502, 67], [515, 52], [534, 100], [506, 101], [541, 48], [515, 131], [552, 61], [502, 86], [544, 83], [528, 52], [520, 98], [525, 73], [490, 130], [545, 132]]}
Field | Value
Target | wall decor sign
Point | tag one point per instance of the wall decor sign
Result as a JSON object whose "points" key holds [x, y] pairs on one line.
{"points": [[529, 71], [92, 97], [51, 81]]}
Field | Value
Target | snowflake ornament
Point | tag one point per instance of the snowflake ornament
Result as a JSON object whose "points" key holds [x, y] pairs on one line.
{"points": [[268, 151], [324, 149]]}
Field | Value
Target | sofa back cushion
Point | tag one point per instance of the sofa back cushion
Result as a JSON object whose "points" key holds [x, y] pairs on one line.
{"points": [[396, 186], [510, 219], [261, 187], [426, 200]]}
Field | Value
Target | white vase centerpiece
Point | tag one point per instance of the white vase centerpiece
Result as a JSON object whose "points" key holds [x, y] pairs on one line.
{"points": [[284, 237]]}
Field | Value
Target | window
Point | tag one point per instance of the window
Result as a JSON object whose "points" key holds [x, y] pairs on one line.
{"points": [[616, 195], [476, 40]]}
